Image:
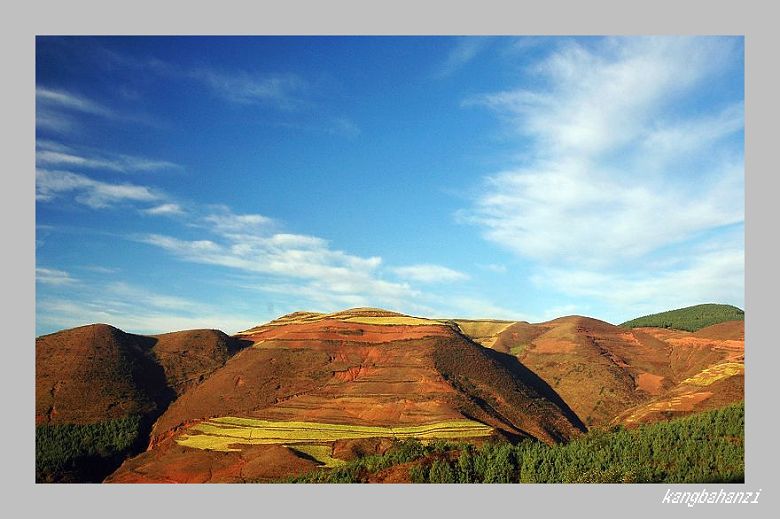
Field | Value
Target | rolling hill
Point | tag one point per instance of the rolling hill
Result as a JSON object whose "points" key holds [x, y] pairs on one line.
{"points": [[97, 377], [344, 382], [313, 390]]}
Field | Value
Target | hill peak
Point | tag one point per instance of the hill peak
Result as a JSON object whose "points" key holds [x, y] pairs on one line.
{"points": [[359, 315]]}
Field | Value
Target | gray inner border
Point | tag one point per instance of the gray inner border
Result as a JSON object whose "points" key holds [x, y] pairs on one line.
{"points": [[21, 22]]}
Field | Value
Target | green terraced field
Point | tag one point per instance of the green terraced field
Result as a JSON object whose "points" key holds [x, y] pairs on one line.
{"points": [[226, 433]]}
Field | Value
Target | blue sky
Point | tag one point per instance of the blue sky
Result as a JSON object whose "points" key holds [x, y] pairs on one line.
{"points": [[222, 182]]}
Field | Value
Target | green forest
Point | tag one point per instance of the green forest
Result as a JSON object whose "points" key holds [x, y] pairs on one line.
{"points": [[702, 448], [77, 453], [692, 318]]}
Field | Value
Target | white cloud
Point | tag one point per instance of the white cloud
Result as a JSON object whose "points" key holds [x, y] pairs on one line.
{"points": [[224, 221], [298, 263], [53, 277], [569, 212], [576, 201], [598, 99], [93, 193], [426, 273], [618, 169], [164, 210]]}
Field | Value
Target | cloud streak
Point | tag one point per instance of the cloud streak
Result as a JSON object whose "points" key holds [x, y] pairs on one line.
{"points": [[51, 184], [52, 154], [53, 277], [283, 91]]}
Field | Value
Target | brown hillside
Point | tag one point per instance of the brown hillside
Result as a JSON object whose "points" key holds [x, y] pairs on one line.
{"points": [[359, 368], [603, 371], [597, 368], [97, 372]]}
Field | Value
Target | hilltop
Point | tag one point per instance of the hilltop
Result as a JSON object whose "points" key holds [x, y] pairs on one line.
{"points": [[691, 318]]}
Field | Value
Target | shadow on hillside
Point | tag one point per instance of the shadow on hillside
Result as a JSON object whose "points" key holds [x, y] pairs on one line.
{"points": [[511, 363]]}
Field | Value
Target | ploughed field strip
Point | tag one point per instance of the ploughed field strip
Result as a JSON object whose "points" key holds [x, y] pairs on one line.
{"points": [[225, 433]]}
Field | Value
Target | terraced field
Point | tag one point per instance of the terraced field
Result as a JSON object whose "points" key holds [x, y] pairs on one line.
{"points": [[226, 433], [718, 372], [391, 320], [320, 453]]}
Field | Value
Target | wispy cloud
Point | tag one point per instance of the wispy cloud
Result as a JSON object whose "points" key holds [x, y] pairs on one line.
{"points": [[59, 111], [53, 277], [464, 50], [54, 154], [87, 191], [288, 256], [224, 221], [284, 262], [614, 170], [100, 269], [427, 273], [61, 99], [283, 91]]}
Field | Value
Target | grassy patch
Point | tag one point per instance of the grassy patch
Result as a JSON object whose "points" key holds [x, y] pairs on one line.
{"points": [[227, 433]]}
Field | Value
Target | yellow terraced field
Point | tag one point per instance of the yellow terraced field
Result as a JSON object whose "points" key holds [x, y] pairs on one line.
{"points": [[321, 453], [715, 373], [226, 433], [391, 320]]}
